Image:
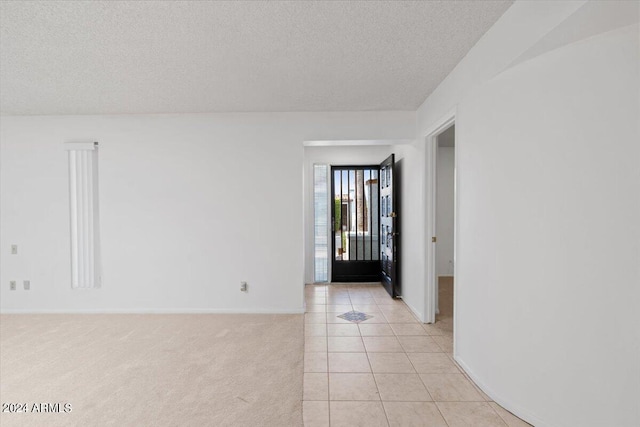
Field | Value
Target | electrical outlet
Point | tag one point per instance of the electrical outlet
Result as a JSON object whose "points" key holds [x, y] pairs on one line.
{"points": [[12, 285], [243, 287], [26, 284], [14, 249]]}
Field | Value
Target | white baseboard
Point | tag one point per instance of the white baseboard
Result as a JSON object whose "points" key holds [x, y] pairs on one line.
{"points": [[414, 311], [154, 311], [505, 403]]}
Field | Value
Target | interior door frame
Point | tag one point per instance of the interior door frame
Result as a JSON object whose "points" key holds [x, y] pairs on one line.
{"points": [[431, 173]]}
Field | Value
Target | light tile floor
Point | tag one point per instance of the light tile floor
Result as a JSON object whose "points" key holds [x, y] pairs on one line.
{"points": [[388, 370]]}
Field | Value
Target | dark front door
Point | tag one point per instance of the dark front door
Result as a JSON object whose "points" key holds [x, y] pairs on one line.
{"points": [[355, 224], [389, 231]]}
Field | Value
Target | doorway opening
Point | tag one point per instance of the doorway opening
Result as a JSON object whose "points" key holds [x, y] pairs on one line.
{"points": [[364, 222], [356, 235], [440, 196], [444, 225]]}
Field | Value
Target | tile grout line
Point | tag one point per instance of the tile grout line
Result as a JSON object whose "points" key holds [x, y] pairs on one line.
{"points": [[378, 307], [420, 378], [439, 332], [327, 374], [326, 290], [384, 409], [499, 416]]}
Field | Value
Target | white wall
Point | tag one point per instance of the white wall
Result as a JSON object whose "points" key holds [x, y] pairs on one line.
{"points": [[548, 283], [517, 32], [521, 27], [548, 270], [332, 155], [190, 205], [444, 211], [409, 168]]}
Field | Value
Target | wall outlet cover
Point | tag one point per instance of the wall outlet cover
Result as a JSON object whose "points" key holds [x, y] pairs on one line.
{"points": [[12, 285]]}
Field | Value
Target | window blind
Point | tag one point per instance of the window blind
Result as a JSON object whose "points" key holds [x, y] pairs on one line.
{"points": [[320, 222], [83, 197]]}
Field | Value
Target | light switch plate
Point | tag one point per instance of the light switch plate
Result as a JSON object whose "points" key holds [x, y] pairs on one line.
{"points": [[27, 285]]}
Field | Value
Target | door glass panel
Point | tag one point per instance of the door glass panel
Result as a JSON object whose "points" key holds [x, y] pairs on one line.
{"points": [[340, 214], [351, 246], [356, 210], [373, 191], [360, 215]]}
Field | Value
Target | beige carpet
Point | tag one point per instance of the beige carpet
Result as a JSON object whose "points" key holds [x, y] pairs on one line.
{"points": [[160, 370]]}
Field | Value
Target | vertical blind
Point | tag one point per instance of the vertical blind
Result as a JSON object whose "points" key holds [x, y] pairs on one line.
{"points": [[83, 197], [320, 223]]}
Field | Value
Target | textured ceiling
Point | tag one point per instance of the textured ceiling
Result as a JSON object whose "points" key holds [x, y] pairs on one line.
{"points": [[179, 57]]}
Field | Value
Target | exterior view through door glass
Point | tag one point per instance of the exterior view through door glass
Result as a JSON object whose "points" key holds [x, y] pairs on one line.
{"points": [[355, 224]]}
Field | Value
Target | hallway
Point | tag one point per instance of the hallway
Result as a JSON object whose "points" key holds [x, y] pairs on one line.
{"points": [[388, 369]]}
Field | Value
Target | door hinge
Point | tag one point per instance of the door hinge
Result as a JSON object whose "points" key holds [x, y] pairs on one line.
{"points": [[433, 239]]}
